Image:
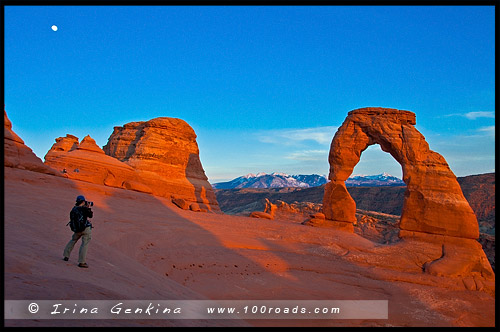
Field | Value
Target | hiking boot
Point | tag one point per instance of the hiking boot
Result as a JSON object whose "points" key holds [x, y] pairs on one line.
{"points": [[83, 265], [66, 259]]}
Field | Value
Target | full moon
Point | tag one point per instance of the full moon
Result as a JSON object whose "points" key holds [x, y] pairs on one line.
{"points": [[54, 27]]}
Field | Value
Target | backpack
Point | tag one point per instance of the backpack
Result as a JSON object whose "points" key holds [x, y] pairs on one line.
{"points": [[77, 220]]}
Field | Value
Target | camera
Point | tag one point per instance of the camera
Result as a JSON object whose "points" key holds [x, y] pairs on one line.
{"points": [[89, 203]]}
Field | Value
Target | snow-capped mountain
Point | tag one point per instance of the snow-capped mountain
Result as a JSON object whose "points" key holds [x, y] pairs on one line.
{"points": [[383, 179], [281, 180], [273, 180]]}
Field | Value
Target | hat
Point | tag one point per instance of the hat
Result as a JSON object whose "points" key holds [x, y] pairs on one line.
{"points": [[80, 198]]}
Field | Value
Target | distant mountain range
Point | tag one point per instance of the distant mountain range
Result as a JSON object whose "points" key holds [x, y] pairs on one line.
{"points": [[281, 180], [378, 180], [273, 180]]}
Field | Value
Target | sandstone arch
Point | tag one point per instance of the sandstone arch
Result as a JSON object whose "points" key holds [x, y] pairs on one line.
{"points": [[434, 202]]}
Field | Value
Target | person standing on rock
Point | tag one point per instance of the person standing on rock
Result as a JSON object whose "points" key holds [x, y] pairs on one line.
{"points": [[81, 228]]}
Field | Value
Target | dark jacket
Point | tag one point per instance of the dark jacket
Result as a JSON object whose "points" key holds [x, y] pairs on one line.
{"points": [[86, 212]]}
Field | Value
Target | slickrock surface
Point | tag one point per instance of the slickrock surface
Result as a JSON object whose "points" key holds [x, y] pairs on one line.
{"points": [[145, 247], [17, 154], [378, 225], [165, 154]]}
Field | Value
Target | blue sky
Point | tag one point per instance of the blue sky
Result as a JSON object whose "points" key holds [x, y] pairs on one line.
{"points": [[264, 88]]}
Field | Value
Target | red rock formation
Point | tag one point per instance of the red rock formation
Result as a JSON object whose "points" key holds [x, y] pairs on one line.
{"points": [[434, 202], [479, 190], [87, 162], [316, 219], [269, 211], [435, 209], [377, 227], [165, 154], [18, 155], [180, 203]]}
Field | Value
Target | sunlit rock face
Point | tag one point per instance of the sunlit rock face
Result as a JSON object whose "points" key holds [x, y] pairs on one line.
{"points": [[159, 156], [165, 154], [434, 202], [86, 161], [18, 155], [434, 208]]}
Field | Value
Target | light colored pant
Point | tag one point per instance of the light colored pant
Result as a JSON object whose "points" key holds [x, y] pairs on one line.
{"points": [[82, 254]]}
